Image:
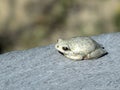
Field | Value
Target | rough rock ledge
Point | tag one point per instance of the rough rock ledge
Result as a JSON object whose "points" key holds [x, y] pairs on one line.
{"points": [[45, 69]]}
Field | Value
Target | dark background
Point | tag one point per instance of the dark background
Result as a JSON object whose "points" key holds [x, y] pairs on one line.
{"points": [[26, 24]]}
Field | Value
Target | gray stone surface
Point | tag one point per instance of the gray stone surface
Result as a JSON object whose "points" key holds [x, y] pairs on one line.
{"points": [[45, 69]]}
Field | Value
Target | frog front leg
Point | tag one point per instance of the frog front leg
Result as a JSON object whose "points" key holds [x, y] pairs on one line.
{"points": [[75, 56], [96, 54]]}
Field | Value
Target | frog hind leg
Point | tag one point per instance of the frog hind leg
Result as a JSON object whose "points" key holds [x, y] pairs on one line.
{"points": [[96, 54]]}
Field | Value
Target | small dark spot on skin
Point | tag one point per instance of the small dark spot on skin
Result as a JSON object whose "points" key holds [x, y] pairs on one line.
{"points": [[57, 46]]}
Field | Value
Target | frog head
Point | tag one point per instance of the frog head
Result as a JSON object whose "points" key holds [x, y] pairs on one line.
{"points": [[63, 47]]}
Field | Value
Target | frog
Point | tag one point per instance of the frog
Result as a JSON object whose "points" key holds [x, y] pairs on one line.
{"points": [[80, 48]]}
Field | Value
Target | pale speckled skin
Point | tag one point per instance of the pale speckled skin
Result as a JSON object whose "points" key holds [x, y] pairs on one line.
{"points": [[80, 48]]}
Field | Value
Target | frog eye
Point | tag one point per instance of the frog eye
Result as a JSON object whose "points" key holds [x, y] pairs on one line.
{"points": [[65, 48], [57, 46]]}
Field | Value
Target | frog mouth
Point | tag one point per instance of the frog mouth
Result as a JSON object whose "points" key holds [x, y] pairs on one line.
{"points": [[61, 52]]}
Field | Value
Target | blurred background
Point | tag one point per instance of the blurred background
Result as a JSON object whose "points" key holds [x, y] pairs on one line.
{"points": [[27, 24]]}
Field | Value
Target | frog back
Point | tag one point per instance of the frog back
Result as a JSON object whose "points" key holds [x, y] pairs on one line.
{"points": [[82, 44]]}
